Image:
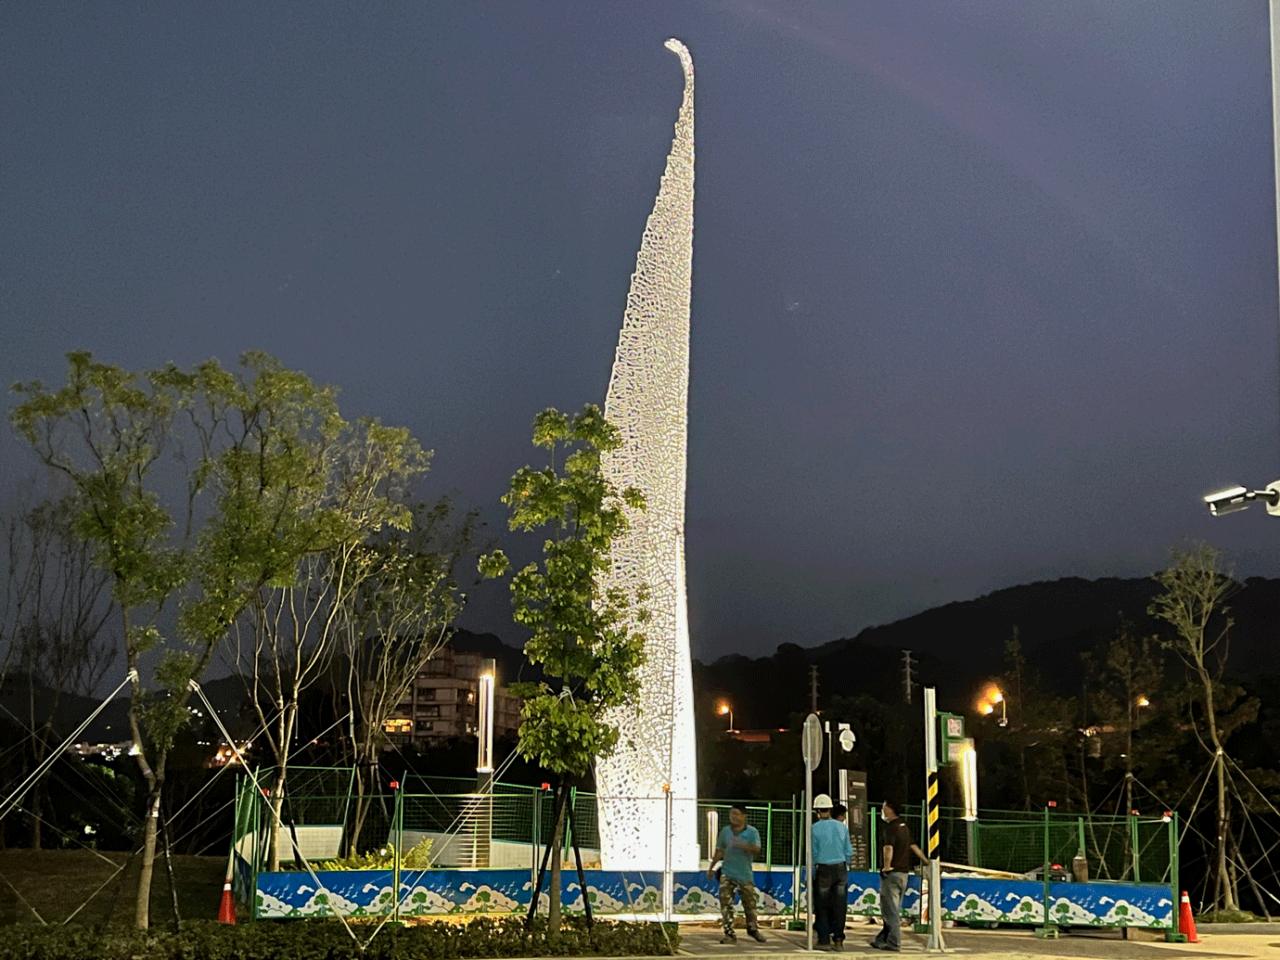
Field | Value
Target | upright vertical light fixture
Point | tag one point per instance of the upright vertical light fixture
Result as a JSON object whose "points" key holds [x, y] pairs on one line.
{"points": [[969, 780], [484, 750]]}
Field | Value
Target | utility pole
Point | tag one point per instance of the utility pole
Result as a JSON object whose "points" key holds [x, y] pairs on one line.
{"points": [[813, 688], [908, 662]]}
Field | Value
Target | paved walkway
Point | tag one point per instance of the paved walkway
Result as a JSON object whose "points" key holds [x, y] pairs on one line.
{"points": [[704, 941]]}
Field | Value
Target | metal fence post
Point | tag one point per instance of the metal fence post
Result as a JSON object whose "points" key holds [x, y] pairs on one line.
{"points": [[668, 878], [1046, 929], [1133, 842], [1173, 934], [768, 836], [398, 831], [873, 855], [537, 833]]}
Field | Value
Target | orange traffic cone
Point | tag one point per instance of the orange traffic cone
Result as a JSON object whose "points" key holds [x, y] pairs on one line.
{"points": [[227, 909], [1186, 922]]}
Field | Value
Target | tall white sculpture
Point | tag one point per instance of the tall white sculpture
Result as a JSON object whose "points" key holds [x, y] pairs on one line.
{"points": [[647, 791]]}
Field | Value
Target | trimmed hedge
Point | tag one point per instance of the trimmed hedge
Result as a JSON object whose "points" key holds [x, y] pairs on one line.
{"points": [[329, 940]]}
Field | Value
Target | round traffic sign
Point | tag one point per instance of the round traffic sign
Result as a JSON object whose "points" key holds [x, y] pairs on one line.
{"points": [[811, 741]]}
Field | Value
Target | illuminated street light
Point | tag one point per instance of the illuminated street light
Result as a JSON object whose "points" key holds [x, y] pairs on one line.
{"points": [[969, 783], [988, 704], [1143, 702], [725, 708], [484, 757]]}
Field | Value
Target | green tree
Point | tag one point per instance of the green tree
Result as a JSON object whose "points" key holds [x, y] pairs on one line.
{"points": [[1040, 730], [196, 490], [295, 626], [393, 619], [1194, 603], [583, 636], [54, 606]]}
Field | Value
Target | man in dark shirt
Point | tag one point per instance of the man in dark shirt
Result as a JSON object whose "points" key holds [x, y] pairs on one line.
{"points": [[895, 865]]}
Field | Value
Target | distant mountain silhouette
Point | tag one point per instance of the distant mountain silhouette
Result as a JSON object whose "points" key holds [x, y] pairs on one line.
{"points": [[961, 645], [957, 647], [512, 666]]}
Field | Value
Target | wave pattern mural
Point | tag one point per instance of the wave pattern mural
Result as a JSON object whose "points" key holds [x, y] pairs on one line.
{"points": [[360, 893]]}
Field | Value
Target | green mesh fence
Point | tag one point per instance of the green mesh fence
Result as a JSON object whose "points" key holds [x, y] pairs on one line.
{"points": [[777, 823], [1133, 849]]}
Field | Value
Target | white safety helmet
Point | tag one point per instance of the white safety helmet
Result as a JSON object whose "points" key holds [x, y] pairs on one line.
{"points": [[822, 802]]}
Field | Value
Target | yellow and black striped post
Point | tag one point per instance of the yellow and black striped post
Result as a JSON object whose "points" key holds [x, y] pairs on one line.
{"points": [[931, 812], [932, 796]]}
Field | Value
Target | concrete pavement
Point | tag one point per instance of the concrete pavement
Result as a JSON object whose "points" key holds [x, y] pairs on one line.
{"points": [[703, 941]]}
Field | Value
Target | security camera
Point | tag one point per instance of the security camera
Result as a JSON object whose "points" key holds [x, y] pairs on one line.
{"points": [[1238, 498], [1228, 501]]}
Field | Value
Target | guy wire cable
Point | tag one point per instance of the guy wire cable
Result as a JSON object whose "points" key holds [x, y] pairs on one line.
{"points": [[193, 685]]}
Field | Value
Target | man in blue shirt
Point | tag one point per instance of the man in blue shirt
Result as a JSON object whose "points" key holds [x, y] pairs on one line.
{"points": [[736, 847], [832, 854]]}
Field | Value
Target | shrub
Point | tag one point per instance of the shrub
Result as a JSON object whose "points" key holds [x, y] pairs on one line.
{"points": [[1228, 916], [415, 858], [330, 940]]}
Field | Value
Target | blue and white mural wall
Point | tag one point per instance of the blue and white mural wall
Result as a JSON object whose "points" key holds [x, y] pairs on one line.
{"points": [[611, 893]]}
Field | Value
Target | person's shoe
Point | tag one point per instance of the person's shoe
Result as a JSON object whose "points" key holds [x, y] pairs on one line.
{"points": [[756, 935], [837, 946], [729, 937], [824, 947], [881, 945]]}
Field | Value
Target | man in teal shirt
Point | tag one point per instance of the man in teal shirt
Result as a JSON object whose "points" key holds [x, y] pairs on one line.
{"points": [[832, 854], [736, 848]]}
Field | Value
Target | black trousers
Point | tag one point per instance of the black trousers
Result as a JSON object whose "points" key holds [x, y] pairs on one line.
{"points": [[830, 900]]}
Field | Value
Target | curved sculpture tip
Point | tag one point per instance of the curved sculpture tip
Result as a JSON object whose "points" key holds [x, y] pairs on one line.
{"points": [[680, 50]]}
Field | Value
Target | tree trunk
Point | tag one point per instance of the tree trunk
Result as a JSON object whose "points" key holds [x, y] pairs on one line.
{"points": [[35, 820], [557, 855], [1226, 899], [142, 911], [366, 777], [284, 734], [277, 805]]}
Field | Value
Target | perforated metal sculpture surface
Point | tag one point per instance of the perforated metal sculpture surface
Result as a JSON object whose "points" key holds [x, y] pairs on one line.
{"points": [[647, 790]]}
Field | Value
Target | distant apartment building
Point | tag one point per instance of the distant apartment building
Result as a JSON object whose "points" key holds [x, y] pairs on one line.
{"points": [[443, 702]]}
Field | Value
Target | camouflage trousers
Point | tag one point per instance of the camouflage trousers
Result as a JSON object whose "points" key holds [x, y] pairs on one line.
{"points": [[744, 889]]}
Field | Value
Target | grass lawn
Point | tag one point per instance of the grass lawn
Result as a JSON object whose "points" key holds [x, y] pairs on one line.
{"points": [[56, 883]]}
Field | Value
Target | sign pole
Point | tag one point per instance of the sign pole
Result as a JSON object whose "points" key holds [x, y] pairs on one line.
{"points": [[811, 747], [808, 857], [934, 943]]}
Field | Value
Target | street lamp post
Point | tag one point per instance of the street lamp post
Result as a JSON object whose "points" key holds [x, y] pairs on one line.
{"points": [[725, 708], [1135, 720]]}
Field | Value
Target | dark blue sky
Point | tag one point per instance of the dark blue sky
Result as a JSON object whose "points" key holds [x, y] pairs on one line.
{"points": [[984, 292]]}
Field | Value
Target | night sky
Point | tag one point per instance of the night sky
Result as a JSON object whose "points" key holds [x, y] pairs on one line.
{"points": [[984, 292]]}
